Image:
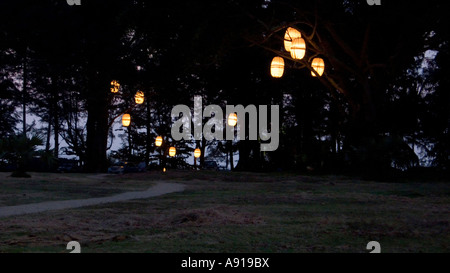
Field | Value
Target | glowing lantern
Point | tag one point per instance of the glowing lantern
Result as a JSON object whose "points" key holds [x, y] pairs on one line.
{"points": [[277, 67], [197, 153], [289, 36], [298, 48], [318, 65], [158, 141], [164, 170], [232, 119], [172, 151], [115, 86], [126, 120], [139, 97]]}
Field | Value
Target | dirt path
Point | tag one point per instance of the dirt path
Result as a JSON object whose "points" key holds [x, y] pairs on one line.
{"points": [[157, 190]]}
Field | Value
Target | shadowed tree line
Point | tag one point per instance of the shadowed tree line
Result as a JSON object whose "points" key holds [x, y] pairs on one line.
{"points": [[382, 104]]}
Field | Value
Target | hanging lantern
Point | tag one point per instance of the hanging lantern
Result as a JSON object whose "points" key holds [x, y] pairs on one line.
{"points": [[115, 86], [298, 48], [232, 119], [277, 67], [172, 151], [158, 141], [164, 170], [318, 65], [289, 36], [139, 97], [126, 120], [197, 153]]}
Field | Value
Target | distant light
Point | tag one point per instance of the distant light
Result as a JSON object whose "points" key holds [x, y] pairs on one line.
{"points": [[126, 120], [298, 48], [277, 67], [164, 170], [139, 97], [115, 86], [172, 151], [197, 153], [318, 65], [158, 141], [232, 119], [289, 36]]}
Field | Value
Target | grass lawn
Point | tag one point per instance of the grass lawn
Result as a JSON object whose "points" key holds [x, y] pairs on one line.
{"points": [[224, 212]]}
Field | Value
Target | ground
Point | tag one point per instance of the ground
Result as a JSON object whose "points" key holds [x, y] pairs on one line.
{"points": [[228, 212]]}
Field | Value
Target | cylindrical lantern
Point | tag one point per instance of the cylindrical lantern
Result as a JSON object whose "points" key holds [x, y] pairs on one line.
{"points": [[158, 141], [232, 119], [197, 153], [277, 67], [139, 97], [172, 151], [126, 120], [115, 86], [318, 65], [289, 36], [298, 48]]}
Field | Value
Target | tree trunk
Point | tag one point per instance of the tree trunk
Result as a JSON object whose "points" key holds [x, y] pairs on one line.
{"points": [[49, 132], [97, 124], [148, 136], [54, 111], [24, 96]]}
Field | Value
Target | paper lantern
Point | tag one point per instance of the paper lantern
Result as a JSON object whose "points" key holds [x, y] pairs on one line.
{"points": [[298, 48], [172, 151], [158, 141], [318, 65], [289, 36], [232, 119], [197, 153], [126, 120], [115, 86], [277, 67], [164, 170], [139, 97]]}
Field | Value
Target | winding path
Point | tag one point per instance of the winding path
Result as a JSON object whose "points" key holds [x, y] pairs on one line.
{"points": [[157, 190]]}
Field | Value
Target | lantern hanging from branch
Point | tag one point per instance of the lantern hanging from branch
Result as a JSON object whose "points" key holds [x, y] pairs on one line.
{"points": [[289, 36], [115, 86], [232, 119], [318, 65], [139, 97], [197, 153], [277, 67], [298, 48], [172, 151], [126, 120], [158, 141]]}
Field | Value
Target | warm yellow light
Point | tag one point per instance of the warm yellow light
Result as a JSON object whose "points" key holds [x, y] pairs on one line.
{"points": [[298, 48], [172, 151], [277, 67], [126, 120], [164, 170], [139, 97], [289, 36], [158, 141], [197, 153], [115, 86], [318, 65], [232, 119]]}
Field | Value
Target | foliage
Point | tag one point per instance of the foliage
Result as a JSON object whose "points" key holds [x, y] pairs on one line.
{"points": [[379, 95], [19, 150]]}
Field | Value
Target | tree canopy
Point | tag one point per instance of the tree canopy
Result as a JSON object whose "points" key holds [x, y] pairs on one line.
{"points": [[382, 102]]}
